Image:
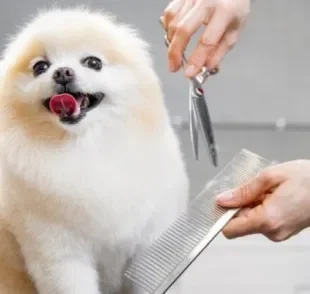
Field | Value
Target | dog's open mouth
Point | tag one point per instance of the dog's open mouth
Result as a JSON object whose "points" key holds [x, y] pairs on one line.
{"points": [[72, 107]]}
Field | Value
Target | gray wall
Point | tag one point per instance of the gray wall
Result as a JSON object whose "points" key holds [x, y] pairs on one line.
{"points": [[265, 77]]}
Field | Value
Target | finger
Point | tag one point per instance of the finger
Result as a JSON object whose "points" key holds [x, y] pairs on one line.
{"points": [[248, 222], [175, 22], [188, 26], [225, 45], [255, 188], [278, 237], [171, 11], [219, 22]]}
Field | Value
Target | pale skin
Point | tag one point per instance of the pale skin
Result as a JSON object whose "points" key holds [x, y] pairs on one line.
{"points": [[276, 203], [222, 21]]}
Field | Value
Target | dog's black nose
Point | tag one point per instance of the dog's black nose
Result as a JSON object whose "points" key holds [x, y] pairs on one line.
{"points": [[64, 75]]}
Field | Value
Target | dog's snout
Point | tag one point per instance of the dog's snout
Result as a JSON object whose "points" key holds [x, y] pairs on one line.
{"points": [[64, 75]]}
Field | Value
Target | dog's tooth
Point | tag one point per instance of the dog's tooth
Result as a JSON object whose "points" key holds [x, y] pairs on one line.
{"points": [[85, 102]]}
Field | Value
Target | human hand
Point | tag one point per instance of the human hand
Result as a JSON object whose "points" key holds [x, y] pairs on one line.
{"points": [[276, 203], [224, 19]]}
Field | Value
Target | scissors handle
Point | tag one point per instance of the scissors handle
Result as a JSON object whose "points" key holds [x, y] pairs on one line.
{"points": [[203, 75]]}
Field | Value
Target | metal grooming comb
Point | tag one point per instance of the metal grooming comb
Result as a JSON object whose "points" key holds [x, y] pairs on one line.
{"points": [[198, 110], [158, 268]]}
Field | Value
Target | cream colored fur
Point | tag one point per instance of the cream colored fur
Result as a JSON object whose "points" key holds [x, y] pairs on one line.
{"points": [[78, 202]]}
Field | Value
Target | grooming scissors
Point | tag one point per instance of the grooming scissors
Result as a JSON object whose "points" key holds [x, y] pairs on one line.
{"points": [[198, 111]]}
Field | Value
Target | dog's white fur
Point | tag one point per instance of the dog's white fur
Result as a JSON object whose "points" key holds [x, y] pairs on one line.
{"points": [[82, 200]]}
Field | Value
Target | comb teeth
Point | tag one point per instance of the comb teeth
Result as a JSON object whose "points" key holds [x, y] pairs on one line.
{"points": [[156, 269]]}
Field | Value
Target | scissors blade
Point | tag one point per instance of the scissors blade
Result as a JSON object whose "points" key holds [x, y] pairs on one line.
{"points": [[199, 113], [193, 124], [202, 113]]}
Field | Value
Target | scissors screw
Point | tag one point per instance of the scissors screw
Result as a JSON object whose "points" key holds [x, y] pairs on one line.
{"points": [[199, 91]]}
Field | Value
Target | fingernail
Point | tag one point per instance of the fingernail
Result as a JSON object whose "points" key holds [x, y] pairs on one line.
{"points": [[224, 197], [171, 65], [190, 71], [161, 19]]}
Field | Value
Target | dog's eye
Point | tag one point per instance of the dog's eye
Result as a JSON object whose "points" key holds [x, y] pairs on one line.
{"points": [[92, 62], [40, 67]]}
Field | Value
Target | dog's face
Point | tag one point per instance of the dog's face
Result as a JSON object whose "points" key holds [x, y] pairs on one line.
{"points": [[70, 84], [73, 68]]}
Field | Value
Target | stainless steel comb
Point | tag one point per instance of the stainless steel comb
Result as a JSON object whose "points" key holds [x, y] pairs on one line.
{"points": [[158, 268]]}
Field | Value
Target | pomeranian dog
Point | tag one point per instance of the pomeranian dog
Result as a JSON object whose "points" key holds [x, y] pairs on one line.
{"points": [[91, 168]]}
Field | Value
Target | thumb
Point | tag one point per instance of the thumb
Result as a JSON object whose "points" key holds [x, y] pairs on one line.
{"points": [[251, 191]]}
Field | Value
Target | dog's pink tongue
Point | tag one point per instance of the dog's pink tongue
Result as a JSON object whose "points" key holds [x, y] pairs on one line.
{"points": [[64, 104]]}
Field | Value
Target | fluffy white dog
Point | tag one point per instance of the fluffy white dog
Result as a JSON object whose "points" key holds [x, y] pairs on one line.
{"points": [[91, 169]]}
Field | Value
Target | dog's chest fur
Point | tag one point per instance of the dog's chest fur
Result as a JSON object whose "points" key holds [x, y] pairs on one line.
{"points": [[112, 197]]}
